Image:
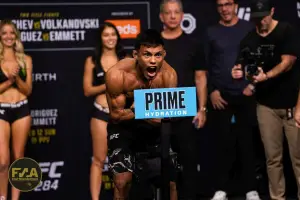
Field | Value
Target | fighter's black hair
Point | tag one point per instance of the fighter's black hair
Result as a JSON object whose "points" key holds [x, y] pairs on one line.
{"points": [[149, 38]]}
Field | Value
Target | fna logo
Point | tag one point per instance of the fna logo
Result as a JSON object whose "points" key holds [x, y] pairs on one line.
{"points": [[25, 174]]}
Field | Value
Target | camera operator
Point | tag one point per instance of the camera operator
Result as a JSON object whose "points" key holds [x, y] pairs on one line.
{"points": [[273, 45]]}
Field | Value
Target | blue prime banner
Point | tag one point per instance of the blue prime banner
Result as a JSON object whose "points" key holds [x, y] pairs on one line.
{"points": [[165, 102]]}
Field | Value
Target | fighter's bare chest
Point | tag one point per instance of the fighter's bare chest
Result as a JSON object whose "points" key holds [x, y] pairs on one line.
{"points": [[138, 85]]}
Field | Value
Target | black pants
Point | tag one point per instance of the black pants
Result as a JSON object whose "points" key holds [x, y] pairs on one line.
{"points": [[224, 140], [184, 142]]}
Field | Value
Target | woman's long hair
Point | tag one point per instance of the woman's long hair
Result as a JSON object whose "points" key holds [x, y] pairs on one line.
{"points": [[99, 44], [18, 46]]}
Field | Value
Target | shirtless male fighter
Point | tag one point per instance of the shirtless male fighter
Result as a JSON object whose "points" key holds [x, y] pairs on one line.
{"points": [[147, 69]]}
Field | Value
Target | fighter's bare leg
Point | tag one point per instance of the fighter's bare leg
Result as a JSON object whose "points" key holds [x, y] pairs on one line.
{"points": [[122, 183], [173, 191]]}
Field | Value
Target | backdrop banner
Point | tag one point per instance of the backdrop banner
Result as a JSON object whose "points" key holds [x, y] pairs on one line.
{"points": [[59, 37]]}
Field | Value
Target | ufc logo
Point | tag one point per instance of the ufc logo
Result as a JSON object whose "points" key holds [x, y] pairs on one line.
{"points": [[51, 168], [116, 135]]}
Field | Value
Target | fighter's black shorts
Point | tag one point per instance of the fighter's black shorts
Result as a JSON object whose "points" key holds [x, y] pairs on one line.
{"points": [[126, 140], [101, 113], [11, 112]]}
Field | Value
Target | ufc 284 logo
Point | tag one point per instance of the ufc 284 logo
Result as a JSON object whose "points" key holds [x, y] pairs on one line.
{"points": [[53, 171]]}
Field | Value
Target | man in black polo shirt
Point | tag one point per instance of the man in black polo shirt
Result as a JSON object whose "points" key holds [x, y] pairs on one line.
{"points": [[228, 98], [277, 88], [181, 55]]}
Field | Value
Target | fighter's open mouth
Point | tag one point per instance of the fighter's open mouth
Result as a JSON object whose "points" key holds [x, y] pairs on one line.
{"points": [[151, 70]]}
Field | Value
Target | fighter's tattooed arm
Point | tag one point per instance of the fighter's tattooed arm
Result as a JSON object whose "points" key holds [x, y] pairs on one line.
{"points": [[116, 98]]}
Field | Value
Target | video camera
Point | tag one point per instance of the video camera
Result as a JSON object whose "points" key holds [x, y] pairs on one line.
{"points": [[250, 60]]}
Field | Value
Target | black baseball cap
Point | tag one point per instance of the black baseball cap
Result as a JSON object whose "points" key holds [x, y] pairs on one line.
{"points": [[260, 8]]}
